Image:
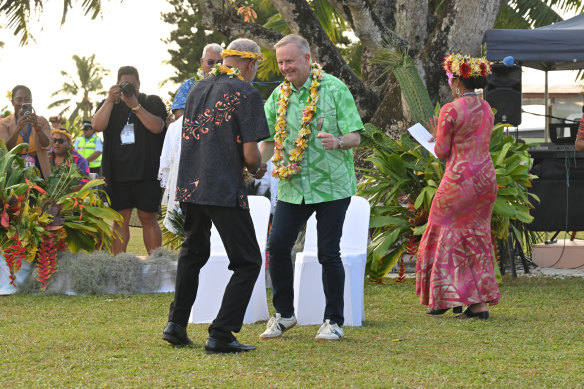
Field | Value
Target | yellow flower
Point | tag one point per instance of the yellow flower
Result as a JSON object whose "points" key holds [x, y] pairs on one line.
{"points": [[9, 95], [296, 154]]}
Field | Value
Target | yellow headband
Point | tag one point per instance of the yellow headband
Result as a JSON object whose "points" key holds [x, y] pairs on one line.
{"points": [[242, 54], [62, 132]]}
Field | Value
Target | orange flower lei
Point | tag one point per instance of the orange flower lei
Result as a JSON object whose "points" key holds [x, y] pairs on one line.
{"points": [[222, 69], [296, 155]]}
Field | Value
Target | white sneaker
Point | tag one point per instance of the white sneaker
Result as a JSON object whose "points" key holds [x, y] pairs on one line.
{"points": [[328, 331], [277, 325]]}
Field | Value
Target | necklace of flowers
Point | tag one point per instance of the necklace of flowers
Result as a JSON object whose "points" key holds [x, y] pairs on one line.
{"points": [[199, 75], [296, 155], [222, 69]]}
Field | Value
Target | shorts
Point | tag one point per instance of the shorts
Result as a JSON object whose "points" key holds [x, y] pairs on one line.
{"points": [[143, 195]]}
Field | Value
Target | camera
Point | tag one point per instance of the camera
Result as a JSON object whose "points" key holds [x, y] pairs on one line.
{"points": [[26, 108], [127, 89]]}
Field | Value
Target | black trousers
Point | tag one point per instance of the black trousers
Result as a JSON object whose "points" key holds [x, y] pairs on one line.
{"points": [[236, 229], [288, 220]]}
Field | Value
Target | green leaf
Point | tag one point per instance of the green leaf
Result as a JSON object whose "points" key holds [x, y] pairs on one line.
{"points": [[503, 208], [419, 230], [80, 226], [386, 221], [387, 239]]}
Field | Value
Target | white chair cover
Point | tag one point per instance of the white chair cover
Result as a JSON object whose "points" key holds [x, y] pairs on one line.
{"points": [[215, 275], [308, 291]]}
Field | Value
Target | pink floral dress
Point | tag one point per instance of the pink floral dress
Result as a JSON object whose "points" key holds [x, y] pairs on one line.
{"points": [[455, 259]]}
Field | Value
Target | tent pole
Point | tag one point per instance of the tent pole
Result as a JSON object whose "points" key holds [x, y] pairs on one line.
{"points": [[546, 131]]}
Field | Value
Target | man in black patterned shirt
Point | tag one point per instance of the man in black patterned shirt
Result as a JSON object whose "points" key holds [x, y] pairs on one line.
{"points": [[223, 121]]}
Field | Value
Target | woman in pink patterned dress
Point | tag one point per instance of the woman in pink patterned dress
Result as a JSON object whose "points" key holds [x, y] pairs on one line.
{"points": [[455, 258]]}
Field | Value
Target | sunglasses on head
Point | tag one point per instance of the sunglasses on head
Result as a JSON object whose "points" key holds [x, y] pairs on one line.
{"points": [[212, 62], [59, 140]]}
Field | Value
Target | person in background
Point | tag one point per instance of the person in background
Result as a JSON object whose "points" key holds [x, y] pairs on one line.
{"points": [[211, 56], [580, 136], [62, 152], [90, 147], [313, 160], [133, 126], [455, 264], [57, 121], [24, 126], [211, 190]]}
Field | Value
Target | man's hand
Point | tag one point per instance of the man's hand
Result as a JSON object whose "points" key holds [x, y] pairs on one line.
{"points": [[114, 93], [329, 142], [261, 171], [131, 102]]}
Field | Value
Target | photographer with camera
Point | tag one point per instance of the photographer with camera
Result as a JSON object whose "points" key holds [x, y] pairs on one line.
{"points": [[24, 126], [133, 126]]}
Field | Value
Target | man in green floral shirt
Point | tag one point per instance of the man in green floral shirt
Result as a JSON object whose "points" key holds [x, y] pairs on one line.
{"points": [[314, 125]]}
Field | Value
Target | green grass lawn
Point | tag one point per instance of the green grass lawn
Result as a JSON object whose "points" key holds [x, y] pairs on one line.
{"points": [[534, 339]]}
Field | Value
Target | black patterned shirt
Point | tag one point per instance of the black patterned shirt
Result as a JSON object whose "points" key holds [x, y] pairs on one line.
{"points": [[221, 114]]}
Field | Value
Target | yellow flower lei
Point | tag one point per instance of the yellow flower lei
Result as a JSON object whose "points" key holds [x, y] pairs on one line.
{"points": [[221, 69], [199, 75], [242, 54], [296, 155]]}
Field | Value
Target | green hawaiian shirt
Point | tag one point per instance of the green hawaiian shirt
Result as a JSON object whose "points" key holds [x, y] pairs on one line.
{"points": [[326, 175]]}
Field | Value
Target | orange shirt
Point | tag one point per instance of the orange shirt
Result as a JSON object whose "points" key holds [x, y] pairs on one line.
{"points": [[8, 128]]}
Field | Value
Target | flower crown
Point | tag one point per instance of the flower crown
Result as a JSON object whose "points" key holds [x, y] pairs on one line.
{"points": [[242, 54], [465, 66], [62, 132]]}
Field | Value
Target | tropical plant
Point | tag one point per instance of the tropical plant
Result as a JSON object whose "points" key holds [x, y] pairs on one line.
{"points": [[40, 218], [18, 14], [87, 82], [402, 186]]}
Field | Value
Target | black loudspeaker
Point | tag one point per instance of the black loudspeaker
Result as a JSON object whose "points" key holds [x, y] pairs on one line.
{"points": [[503, 92], [557, 199]]}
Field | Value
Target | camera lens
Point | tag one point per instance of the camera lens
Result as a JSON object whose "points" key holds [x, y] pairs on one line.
{"points": [[127, 89]]}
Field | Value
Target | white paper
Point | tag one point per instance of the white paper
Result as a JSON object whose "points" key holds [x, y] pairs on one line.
{"points": [[422, 136]]}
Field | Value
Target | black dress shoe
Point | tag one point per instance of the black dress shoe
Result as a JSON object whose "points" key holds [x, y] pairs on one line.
{"points": [[176, 335], [468, 314], [217, 346]]}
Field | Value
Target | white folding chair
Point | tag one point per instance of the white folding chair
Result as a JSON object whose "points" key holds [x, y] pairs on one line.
{"points": [[308, 291], [215, 275]]}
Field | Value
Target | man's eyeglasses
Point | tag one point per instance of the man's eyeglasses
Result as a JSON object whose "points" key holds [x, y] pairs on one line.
{"points": [[212, 62], [58, 140]]}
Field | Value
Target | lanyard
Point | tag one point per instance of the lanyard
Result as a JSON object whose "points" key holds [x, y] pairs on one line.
{"points": [[129, 116], [27, 137]]}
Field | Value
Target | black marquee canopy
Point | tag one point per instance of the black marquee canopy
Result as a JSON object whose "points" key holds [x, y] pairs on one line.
{"points": [[559, 46]]}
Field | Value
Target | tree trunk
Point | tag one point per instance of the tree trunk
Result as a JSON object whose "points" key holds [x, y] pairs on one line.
{"points": [[404, 25]]}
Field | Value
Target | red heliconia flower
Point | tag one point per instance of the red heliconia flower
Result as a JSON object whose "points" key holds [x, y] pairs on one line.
{"points": [[464, 70], [483, 69], [47, 261]]}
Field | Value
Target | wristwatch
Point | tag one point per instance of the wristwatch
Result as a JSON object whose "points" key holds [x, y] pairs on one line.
{"points": [[341, 143], [256, 172], [136, 108]]}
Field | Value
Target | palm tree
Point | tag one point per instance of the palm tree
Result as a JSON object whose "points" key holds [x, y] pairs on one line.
{"points": [[18, 13], [89, 76]]}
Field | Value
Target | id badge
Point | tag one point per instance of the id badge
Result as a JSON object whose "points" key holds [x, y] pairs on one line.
{"points": [[28, 161], [127, 135]]}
